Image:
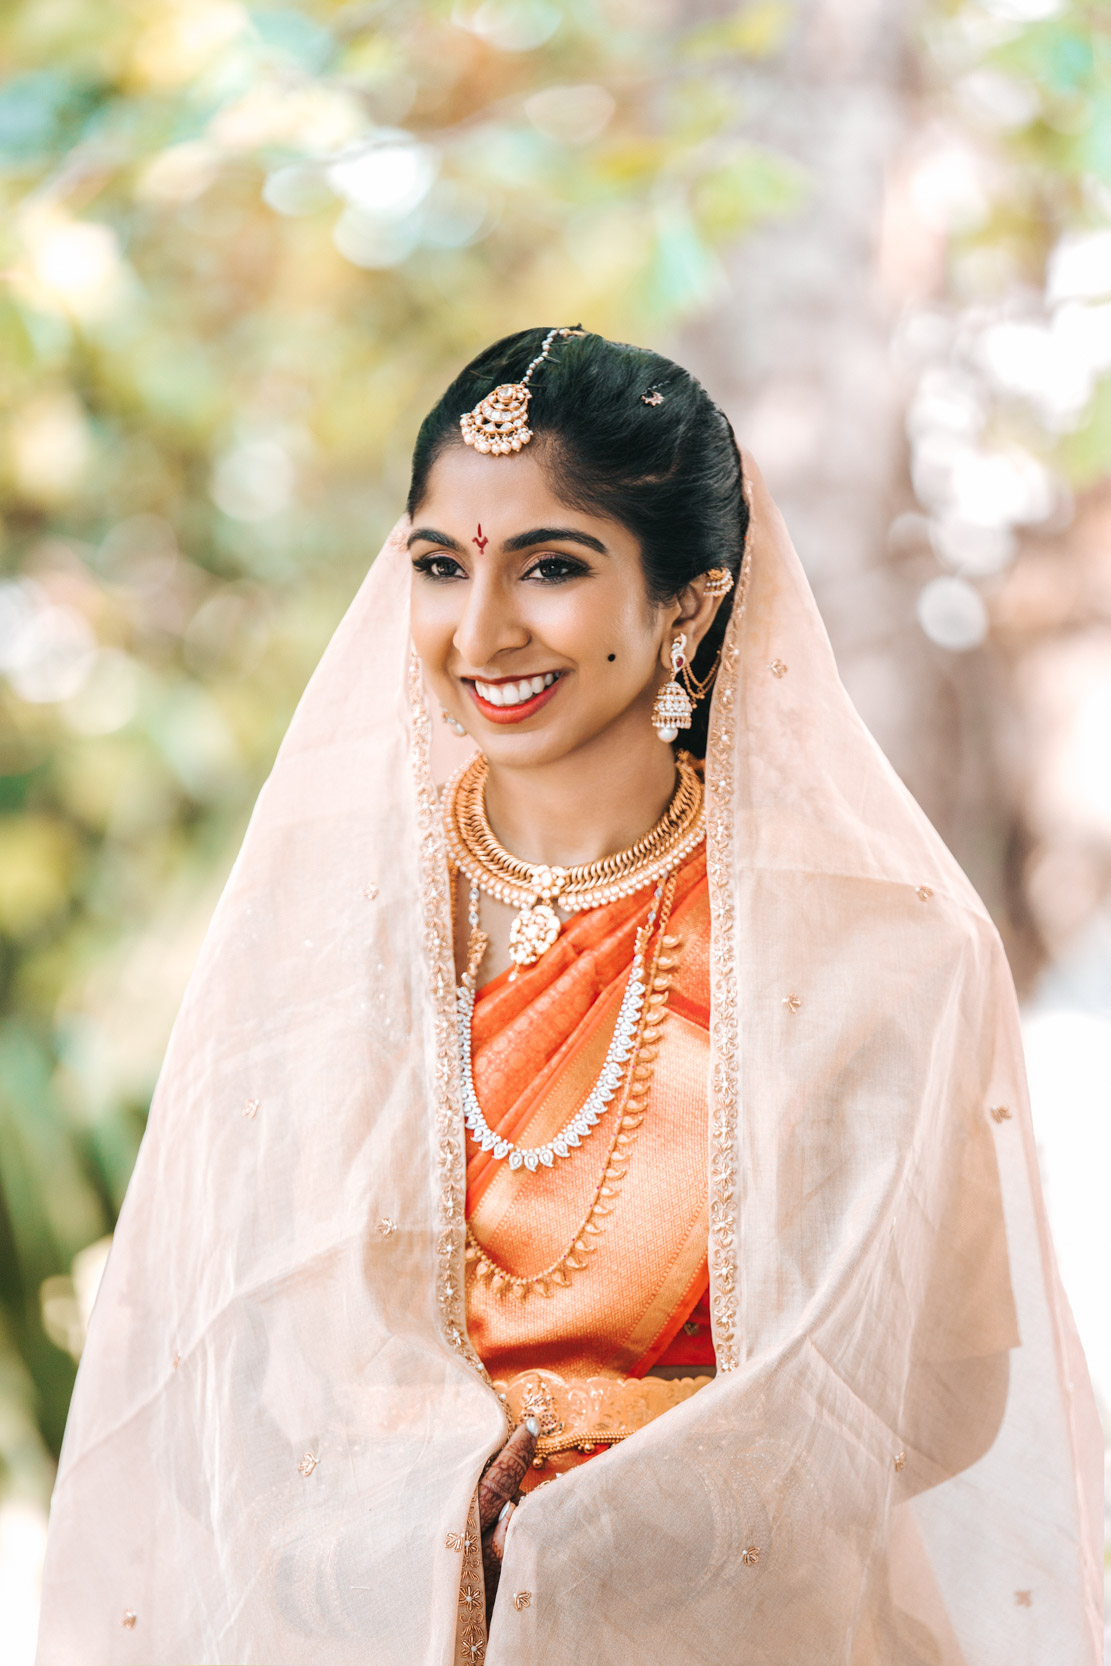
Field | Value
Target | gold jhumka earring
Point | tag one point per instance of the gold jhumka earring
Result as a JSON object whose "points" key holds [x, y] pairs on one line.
{"points": [[673, 707], [499, 423]]}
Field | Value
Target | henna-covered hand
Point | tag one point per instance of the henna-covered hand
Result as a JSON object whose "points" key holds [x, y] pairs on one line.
{"points": [[497, 1497]]}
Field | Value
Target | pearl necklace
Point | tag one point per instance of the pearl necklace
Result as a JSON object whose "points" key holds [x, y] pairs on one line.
{"points": [[609, 1079]]}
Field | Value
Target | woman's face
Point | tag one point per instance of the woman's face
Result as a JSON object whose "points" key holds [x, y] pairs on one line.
{"points": [[532, 619]]}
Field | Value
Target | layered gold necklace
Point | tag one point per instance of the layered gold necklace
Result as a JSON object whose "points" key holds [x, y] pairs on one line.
{"points": [[537, 889]]}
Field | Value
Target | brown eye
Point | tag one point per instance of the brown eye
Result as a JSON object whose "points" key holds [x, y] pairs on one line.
{"points": [[438, 566], [554, 569]]}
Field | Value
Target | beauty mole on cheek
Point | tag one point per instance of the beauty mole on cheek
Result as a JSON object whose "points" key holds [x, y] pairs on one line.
{"points": [[611, 656]]}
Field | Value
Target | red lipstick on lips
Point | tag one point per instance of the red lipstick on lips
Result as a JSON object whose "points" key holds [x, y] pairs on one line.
{"points": [[511, 714]]}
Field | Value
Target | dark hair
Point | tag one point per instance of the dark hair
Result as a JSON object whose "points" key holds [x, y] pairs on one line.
{"points": [[669, 472]]}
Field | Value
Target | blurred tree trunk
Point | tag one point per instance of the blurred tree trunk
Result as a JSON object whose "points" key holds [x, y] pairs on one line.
{"points": [[800, 354]]}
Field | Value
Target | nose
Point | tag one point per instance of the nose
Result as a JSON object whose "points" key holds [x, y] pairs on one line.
{"points": [[490, 623]]}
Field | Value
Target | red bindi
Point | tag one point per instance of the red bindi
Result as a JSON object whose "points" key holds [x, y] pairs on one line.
{"points": [[480, 540]]}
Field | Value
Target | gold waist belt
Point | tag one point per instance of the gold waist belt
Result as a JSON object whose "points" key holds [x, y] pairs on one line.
{"points": [[584, 1412]]}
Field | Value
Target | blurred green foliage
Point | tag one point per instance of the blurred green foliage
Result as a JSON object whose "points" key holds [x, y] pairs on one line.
{"points": [[243, 249]]}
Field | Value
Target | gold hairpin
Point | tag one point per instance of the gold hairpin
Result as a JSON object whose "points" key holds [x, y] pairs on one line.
{"points": [[719, 581]]}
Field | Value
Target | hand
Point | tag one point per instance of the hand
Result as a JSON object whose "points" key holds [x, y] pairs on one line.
{"points": [[498, 1492]]}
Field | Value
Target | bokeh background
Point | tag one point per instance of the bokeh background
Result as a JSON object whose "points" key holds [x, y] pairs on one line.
{"points": [[241, 250]]}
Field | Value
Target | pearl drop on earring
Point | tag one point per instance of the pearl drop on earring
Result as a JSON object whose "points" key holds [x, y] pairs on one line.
{"points": [[453, 723]]}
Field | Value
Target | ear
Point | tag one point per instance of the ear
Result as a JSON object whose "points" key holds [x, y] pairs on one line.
{"points": [[691, 612]]}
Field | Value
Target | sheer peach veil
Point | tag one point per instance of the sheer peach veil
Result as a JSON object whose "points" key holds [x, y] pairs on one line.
{"points": [[279, 1422]]}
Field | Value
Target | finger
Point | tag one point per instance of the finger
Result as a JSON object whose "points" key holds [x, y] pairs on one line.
{"points": [[492, 1555], [501, 1528], [503, 1479]]}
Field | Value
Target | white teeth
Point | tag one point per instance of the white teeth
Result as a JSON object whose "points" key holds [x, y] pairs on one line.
{"points": [[515, 694]]}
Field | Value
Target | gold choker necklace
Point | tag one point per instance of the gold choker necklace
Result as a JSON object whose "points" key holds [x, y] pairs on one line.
{"points": [[536, 889]]}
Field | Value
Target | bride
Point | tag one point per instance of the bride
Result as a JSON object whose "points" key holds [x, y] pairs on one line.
{"points": [[589, 1210]]}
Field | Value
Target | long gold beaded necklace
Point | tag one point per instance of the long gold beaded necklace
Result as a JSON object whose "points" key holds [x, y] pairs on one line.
{"points": [[537, 889]]}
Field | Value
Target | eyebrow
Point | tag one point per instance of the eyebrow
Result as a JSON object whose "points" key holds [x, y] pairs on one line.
{"points": [[553, 534], [522, 541], [430, 536]]}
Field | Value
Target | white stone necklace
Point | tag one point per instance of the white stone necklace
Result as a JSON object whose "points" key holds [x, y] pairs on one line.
{"points": [[609, 1079]]}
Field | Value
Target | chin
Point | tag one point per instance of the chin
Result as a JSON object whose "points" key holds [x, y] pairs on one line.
{"points": [[547, 743], [528, 750]]}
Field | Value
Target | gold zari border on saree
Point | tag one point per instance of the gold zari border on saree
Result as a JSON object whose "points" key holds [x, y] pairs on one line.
{"points": [[584, 1412]]}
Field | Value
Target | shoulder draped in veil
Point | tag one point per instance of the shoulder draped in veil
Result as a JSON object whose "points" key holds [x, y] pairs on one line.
{"points": [[279, 1422]]}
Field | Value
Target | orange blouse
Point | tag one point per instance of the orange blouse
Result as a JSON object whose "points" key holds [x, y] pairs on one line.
{"points": [[639, 1294]]}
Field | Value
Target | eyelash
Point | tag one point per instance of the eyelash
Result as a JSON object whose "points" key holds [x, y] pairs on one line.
{"points": [[428, 564]]}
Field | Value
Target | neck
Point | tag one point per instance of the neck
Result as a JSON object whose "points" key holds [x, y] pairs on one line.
{"points": [[598, 800]]}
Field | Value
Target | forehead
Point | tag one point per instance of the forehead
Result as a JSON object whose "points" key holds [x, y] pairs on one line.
{"points": [[507, 494]]}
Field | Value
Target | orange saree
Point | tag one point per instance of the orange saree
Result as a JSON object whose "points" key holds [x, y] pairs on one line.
{"points": [[594, 1271]]}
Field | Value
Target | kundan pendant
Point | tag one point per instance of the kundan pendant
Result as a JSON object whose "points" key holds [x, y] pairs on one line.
{"points": [[532, 932], [537, 925]]}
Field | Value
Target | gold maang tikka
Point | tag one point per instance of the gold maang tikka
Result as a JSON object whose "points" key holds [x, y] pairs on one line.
{"points": [[499, 423]]}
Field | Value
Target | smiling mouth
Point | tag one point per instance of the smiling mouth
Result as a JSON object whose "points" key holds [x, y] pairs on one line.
{"points": [[514, 698]]}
